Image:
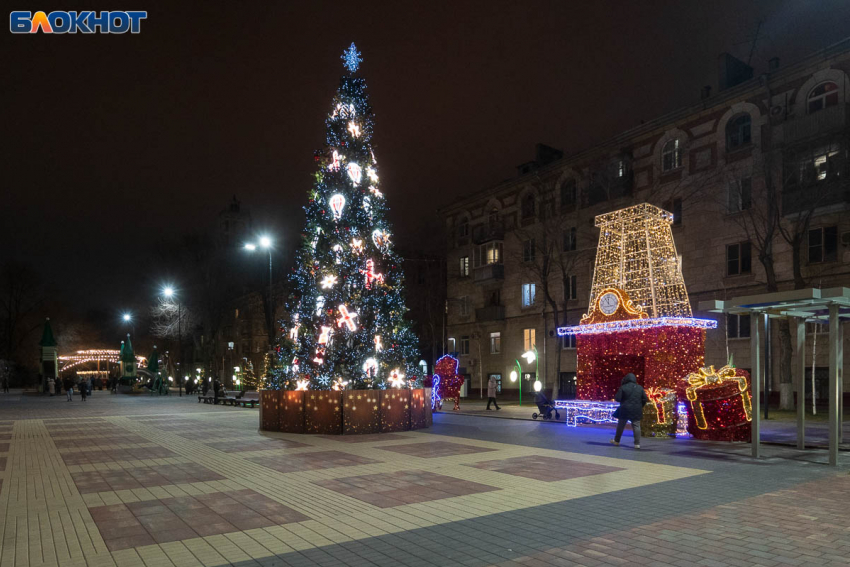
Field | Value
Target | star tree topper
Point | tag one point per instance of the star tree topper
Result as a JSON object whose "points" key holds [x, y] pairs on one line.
{"points": [[351, 58]]}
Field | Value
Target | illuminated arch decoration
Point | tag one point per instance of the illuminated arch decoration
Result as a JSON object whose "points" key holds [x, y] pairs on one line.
{"points": [[640, 317], [70, 361]]}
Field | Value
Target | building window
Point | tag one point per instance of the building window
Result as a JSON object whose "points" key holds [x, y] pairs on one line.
{"points": [[464, 344], [528, 205], [738, 326], [822, 96], [495, 343], [464, 266], [568, 193], [621, 169], [671, 156], [823, 244], [738, 132], [528, 250], [570, 288], [823, 164], [464, 305], [570, 239], [490, 253], [528, 340], [528, 291], [493, 217], [568, 341], [495, 297], [675, 207], [451, 344], [740, 195], [738, 259], [463, 228]]}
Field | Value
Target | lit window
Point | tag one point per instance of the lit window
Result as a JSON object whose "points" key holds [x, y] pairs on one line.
{"points": [[738, 132], [822, 96], [621, 168], [528, 291], [823, 244], [568, 341], [528, 250], [464, 266], [528, 340], [495, 343], [738, 259], [451, 344], [464, 345], [490, 253], [671, 156]]}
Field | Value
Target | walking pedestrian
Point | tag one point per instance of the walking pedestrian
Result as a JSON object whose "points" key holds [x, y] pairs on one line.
{"points": [[68, 384], [51, 386], [632, 398], [491, 393], [83, 390]]}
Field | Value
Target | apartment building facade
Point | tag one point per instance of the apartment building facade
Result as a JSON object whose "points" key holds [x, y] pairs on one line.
{"points": [[755, 174]]}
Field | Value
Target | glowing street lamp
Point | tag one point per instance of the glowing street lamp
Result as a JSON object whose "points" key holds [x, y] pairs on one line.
{"points": [[168, 292], [127, 317], [265, 243]]}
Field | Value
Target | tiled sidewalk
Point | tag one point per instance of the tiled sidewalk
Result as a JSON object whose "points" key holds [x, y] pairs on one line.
{"points": [[149, 481]]}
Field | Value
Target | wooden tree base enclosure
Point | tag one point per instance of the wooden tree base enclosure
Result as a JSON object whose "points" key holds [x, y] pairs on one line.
{"points": [[345, 413]]}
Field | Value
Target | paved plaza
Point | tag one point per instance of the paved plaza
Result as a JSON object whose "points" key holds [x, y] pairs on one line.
{"points": [[141, 481]]}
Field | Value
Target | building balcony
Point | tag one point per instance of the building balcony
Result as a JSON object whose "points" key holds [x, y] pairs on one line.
{"points": [[806, 126], [489, 273], [487, 232], [490, 313]]}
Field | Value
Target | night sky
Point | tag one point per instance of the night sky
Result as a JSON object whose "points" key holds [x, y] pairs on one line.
{"points": [[116, 142]]}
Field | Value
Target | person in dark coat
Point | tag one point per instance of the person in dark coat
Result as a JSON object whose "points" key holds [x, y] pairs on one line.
{"points": [[632, 398], [68, 383]]}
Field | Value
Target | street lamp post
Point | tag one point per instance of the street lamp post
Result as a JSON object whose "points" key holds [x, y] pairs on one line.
{"points": [[128, 318], [266, 243], [169, 293]]}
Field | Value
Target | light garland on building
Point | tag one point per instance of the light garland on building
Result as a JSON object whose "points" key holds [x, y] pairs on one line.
{"points": [[632, 324]]}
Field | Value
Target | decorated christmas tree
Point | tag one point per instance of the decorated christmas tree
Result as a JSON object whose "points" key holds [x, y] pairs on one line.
{"points": [[346, 325]]}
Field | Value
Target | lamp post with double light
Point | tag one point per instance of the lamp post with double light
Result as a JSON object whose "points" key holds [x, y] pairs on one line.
{"points": [[265, 243], [169, 293]]}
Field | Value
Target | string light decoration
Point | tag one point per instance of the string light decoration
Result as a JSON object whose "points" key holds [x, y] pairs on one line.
{"points": [[69, 361], [660, 415], [447, 383], [332, 283], [397, 379], [721, 404], [578, 411], [640, 318], [636, 254]]}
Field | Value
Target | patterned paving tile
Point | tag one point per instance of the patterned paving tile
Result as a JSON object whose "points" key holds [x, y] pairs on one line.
{"points": [[140, 477], [207, 434], [100, 442], [2, 464], [434, 449], [112, 455], [86, 431], [4, 447], [6, 428], [311, 461], [173, 519], [547, 469], [403, 487], [239, 446], [367, 438], [5, 436]]}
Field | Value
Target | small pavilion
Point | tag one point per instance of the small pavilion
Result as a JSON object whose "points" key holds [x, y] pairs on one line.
{"points": [[826, 306]]}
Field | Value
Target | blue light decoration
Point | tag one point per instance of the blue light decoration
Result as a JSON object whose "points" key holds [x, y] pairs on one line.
{"points": [[587, 411], [682, 423], [630, 324], [351, 58], [435, 397]]}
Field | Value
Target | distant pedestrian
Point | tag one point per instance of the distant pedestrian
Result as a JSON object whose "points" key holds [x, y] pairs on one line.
{"points": [[83, 390], [491, 393], [51, 386], [632, 398], [5, 384], [216, 391], [68, 384]]}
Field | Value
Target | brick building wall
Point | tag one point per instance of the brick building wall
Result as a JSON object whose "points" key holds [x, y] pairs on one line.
{"points": [[790, 123]]}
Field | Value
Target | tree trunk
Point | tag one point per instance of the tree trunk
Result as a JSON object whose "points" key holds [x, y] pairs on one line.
{"points": [[786, 386], [796, 263]]}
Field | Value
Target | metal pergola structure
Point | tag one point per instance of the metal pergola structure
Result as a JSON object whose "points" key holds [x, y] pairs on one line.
{"points": [[830, 306]]}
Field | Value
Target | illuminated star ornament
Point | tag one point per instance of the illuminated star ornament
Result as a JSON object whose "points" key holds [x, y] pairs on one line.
{"points": [[303, 385], [329, 281], [351, 58], [397, 379]]}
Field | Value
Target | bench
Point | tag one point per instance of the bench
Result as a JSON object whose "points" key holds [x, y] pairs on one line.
{"points": [[252, 398], [205, 399], [232, 400]]}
